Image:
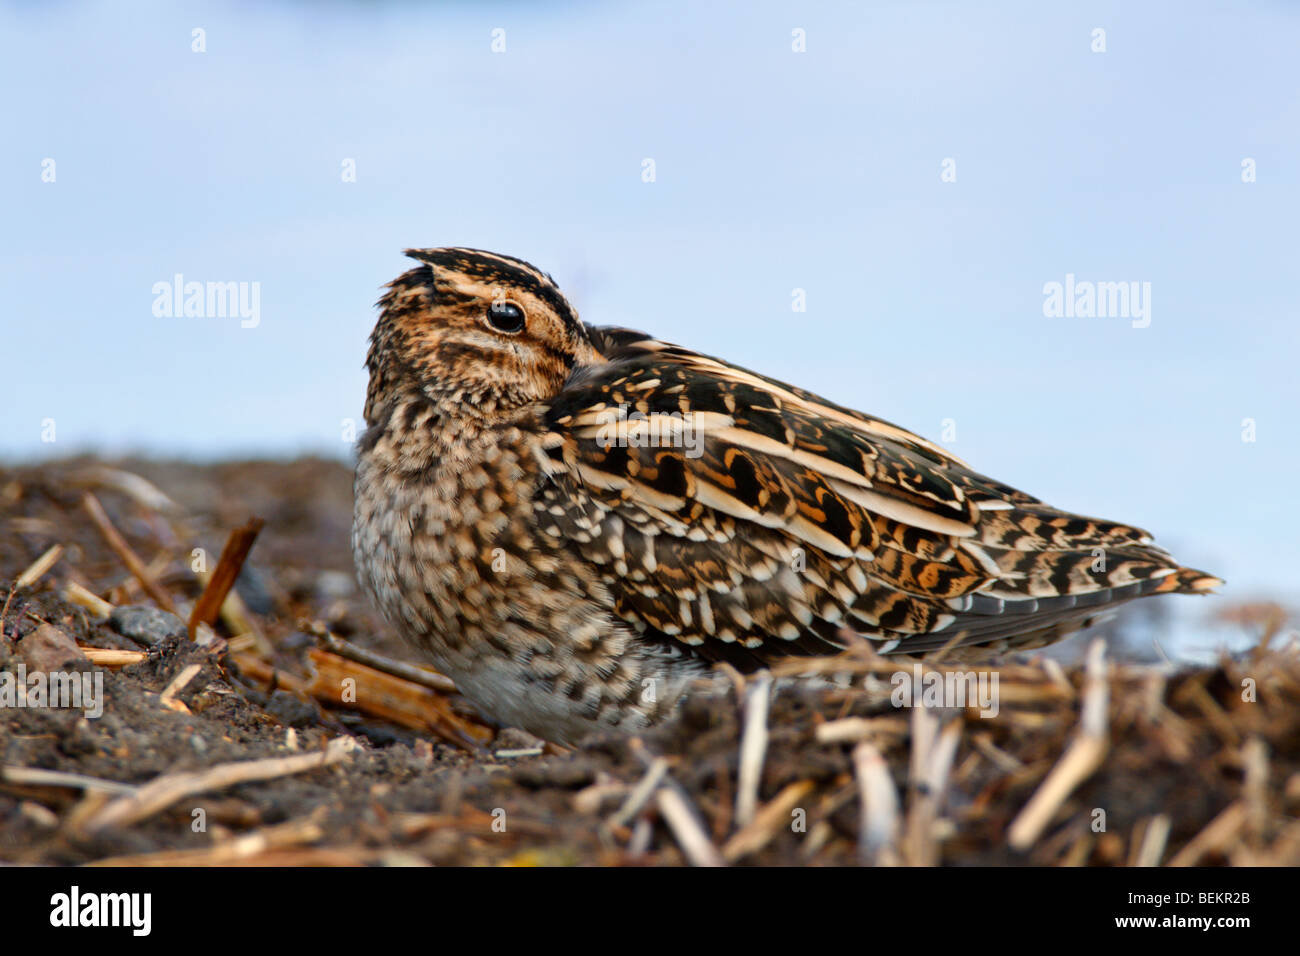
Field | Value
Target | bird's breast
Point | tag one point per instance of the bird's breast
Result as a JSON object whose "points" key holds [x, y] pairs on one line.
{"points": [[440, 546]]}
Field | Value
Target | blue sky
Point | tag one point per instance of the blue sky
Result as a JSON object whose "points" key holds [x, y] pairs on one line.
{"points": [[775, 170]]}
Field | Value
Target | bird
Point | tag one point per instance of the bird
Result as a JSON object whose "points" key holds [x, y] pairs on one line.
{"points": [[578, 523]]}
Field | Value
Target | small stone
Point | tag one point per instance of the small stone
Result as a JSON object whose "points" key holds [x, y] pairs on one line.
{"points": [[333, 585], [293, 711], [254, 589], [41, 816], [205, 636], [512, 738], [81, 739], [48, 649], [567, 775], [146, 625], [296, 641]]}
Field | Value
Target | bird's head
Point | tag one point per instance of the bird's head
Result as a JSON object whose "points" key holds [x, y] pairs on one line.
{"points": [[477, 333]]}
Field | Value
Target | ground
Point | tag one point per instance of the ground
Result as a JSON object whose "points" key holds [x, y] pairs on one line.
{"points": [[217, 749]]}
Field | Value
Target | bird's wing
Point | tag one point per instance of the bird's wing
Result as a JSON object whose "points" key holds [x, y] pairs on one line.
{"points": [[752, 520]]}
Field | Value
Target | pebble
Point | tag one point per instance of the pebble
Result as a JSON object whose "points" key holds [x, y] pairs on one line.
{"points": [[334, 585], [146, 625], [48, 649], [292, 710]]}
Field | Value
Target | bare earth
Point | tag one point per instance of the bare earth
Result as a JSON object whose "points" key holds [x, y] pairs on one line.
{"points": [[1198, 766]]}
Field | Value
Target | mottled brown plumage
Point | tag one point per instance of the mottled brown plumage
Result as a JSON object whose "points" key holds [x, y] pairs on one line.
{"points": [[575, 522]]}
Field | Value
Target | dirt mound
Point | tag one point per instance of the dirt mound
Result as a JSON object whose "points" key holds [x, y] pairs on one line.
{"points": [[294, 729]]}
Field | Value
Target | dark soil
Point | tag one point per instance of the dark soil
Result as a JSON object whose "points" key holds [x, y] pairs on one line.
{"points": [[1182, 746]]}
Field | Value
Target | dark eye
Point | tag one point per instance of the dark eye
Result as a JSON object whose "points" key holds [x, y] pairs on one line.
{"points": [[505, 317]]}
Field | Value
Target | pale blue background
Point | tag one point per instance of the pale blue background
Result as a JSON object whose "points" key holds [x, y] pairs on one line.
{"points": [[776, 170]]}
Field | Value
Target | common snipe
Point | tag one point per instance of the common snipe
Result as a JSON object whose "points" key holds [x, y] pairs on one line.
{"points": [[574, 522]]}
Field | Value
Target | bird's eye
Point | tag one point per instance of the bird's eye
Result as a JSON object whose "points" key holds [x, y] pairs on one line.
{"points": [[505, 317]]}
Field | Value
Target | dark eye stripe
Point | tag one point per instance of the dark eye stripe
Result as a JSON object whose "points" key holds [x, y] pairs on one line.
{"points": [[495, 269]]}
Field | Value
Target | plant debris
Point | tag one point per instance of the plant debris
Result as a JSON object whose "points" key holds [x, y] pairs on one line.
{"points": [[259, 711]]}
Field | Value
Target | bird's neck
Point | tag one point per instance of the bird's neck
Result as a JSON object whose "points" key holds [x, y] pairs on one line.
{"points": [[414, 433]]}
